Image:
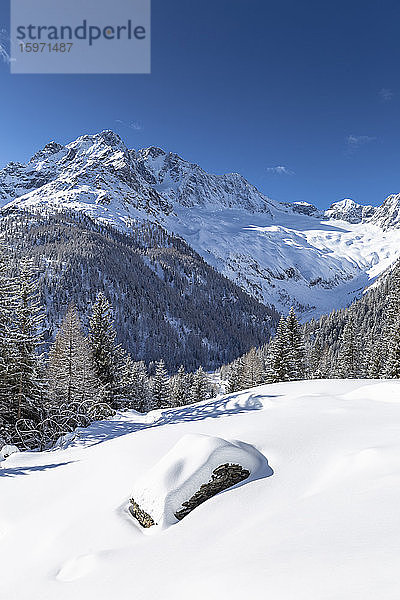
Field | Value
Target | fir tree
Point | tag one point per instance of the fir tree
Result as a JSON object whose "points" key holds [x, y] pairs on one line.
{"points": [[278, 357], [180, 393], [200, 386], [391, 331], [160, 387], [134, 385], [25, 383], [347, 365], [7, 308], [296, 351], [108, 357], [237, 376]]}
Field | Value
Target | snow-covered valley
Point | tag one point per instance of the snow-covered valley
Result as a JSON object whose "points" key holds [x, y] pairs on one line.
{"points": [[315, 264], [325, 524]]}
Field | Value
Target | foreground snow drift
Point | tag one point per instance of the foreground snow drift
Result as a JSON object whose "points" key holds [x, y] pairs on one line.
{"points": [[188, 465], [325, 526]]}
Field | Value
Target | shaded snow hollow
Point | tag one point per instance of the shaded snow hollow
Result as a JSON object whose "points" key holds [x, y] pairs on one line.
{"points": [[325, 526], [186, 467]]}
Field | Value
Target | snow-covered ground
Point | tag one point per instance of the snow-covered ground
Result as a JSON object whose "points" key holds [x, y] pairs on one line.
{"points": [[325, 525]]}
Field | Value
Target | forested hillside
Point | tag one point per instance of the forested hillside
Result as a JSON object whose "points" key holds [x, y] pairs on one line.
{"points": [[169, 303], [361, 341]]}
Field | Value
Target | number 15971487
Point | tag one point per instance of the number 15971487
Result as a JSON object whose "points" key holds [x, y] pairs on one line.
{"points": [[46, 47]]}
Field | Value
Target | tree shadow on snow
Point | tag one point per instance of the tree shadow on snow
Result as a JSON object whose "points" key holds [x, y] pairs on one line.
{"points": [[14, 471], [211, 409]]}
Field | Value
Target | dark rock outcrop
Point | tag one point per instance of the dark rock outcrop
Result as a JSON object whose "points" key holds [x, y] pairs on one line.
{"points": [[223, 477], [140, 515]]}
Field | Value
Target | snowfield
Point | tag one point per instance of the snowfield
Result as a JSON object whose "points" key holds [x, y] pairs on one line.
{"points": [[325, 525]]}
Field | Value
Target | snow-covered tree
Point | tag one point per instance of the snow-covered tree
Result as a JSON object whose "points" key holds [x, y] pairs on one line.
{"points": [[296, 350], [135, 385], [71, 371], [22, 383], [278, 366], [390, 346], [180, 392], [7, 307], [27, 332], [347, 365], [108, 356], [200, 386], [236, 376], [160, 387]]}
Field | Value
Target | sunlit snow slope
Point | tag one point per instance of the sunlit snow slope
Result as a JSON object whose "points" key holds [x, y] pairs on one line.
{"points": [[324, 525]]}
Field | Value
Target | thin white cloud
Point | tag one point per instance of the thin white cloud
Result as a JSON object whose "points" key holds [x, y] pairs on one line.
{"points": [[135, 125], [280, 170], [386, 94], [354, 142], [4, 45]]}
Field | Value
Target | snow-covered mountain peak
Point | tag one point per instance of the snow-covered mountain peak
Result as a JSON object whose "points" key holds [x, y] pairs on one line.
{"points": [[187, 184], [50, 149], [388, 214], [305, 208], [350, 211], [282, 253], [100, 145]]}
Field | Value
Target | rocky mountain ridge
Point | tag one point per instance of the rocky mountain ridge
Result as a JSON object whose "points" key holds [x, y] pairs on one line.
{"points": [[281, 253]]}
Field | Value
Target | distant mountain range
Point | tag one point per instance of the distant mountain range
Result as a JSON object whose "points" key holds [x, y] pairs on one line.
{"points": [[282, 254]]}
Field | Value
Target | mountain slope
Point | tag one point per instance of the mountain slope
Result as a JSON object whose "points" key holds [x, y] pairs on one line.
{"points": [[282, 254], [324, 525], [169, 303]]}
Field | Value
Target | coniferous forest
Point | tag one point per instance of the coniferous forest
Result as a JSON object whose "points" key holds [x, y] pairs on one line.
{"points": [[47, 390], [92, 321]]}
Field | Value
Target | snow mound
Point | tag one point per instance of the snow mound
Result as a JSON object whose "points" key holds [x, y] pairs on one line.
{"points": [[175, 479]]}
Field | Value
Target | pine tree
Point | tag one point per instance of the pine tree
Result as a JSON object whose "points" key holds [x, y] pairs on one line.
{"points": [[391, 330], [237, 379], [160, 387], [25, 366], [392, 361], [108, 357], [278, 367], [135, 385], [296, 351], [347, 364], [180, 393], [7, 308], [200, 386]]}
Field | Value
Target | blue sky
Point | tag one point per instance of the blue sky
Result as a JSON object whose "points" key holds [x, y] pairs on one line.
{"points": [[241, 85]]}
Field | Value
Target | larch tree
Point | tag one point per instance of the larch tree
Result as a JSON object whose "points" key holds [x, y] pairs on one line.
{"points": [[71, 372]]}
